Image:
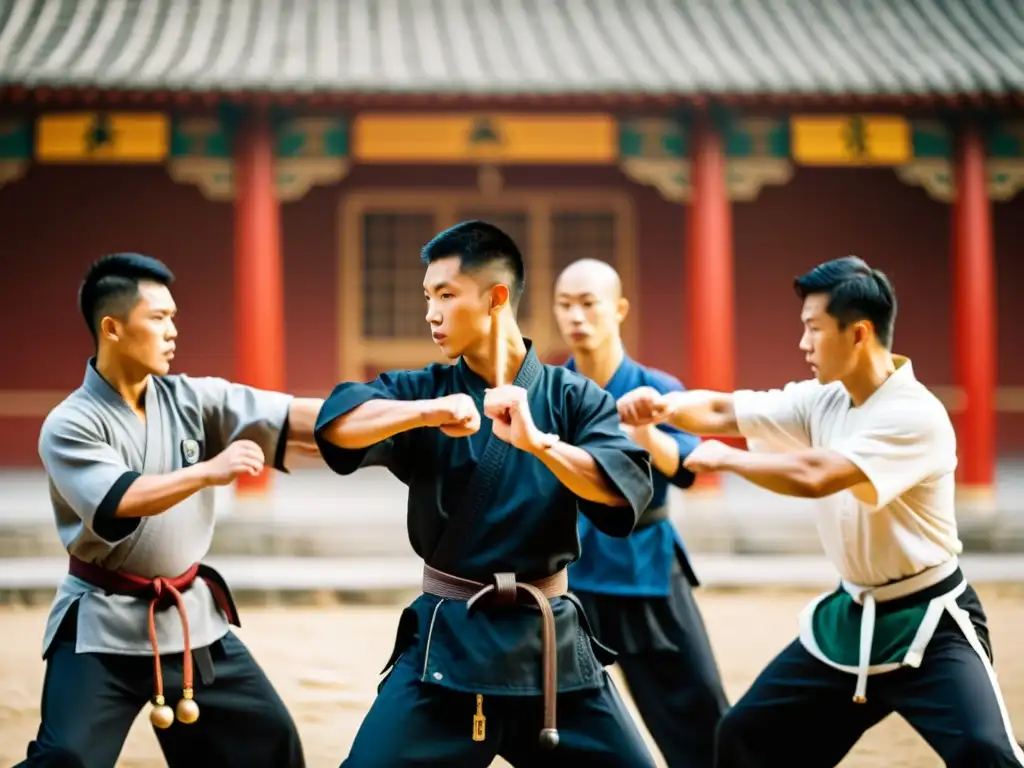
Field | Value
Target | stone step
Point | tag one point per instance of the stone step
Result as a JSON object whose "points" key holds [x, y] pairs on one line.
{"points": [[312, 513], [385, 535]]}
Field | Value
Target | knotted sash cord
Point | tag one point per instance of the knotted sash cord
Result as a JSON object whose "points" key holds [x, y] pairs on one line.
{"points": [[157, 590], [506, 590], [867, 637]]}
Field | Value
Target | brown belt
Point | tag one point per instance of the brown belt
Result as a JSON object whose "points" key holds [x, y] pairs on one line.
{"points": [[160, 591], [505, 590]]}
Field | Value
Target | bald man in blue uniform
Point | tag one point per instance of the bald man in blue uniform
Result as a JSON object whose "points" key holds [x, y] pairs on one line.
{"points": [[637, 591]]}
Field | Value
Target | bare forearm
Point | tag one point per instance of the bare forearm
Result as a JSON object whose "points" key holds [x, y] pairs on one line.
{"points": [[663, 448], [302, 419], [578, 471], [373, 422], [702, 412], [785, 473], [152, 495]]}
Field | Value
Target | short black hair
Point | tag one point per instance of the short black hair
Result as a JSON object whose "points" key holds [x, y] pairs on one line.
{"points": [[855, 292], [480, 244], [111, 286]]}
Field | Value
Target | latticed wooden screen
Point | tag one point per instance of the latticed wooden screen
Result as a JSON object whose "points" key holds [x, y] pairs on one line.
{"points": [[381, 302], [582, 235], [393, 306]]}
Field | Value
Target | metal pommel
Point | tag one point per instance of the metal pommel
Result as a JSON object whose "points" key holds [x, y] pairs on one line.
{"points": [[549, 738]]}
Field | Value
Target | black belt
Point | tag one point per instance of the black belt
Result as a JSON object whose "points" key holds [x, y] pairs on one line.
{"points": [[651, 516]]}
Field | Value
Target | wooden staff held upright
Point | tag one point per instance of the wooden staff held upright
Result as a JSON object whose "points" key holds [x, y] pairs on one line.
{"points": [[499, 348]]}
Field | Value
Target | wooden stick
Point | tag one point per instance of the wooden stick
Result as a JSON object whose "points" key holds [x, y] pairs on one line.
{"points": [[499, 349]]}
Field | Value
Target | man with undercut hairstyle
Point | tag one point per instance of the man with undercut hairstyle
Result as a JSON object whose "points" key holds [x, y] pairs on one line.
{"points": [[501, 454]]}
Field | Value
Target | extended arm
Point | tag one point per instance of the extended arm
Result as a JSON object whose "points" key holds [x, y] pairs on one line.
{"points": [[663, 447], [701, 412], [810, 473], [233, 412], [697, 411], [372, 422], [668, 445], [669, 448], [302, 415]]}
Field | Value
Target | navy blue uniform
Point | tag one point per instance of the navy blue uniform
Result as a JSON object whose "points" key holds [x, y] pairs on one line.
{"points": [[525, 522], [637, 592]]}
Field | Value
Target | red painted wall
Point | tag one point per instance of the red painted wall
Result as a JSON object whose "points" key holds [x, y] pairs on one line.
{"points": [[56, 220]]}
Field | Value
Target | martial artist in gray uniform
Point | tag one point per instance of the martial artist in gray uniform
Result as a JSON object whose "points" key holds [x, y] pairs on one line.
{"points": [[132, 457]]}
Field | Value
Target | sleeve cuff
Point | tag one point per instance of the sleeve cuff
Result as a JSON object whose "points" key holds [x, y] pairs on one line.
{"points": [[683, 478], [282, 447], [744, 409], [344, 399], [632, 479], [105, 522], [883, 497]]}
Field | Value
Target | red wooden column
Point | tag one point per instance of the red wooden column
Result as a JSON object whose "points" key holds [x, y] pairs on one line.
{"points": [[259, 285], [974, 309], [710, 267]]}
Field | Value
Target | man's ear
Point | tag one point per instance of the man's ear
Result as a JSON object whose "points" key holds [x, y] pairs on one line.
{"points": [[499, 297], [622, 308], [110, 329], [861, 332]]}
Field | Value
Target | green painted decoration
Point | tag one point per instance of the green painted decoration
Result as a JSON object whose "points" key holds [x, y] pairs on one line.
{"points": [[310, 151]]}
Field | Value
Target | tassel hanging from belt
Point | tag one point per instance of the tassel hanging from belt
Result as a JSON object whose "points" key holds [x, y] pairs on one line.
{"points": [[187, 710], [157, 591]]}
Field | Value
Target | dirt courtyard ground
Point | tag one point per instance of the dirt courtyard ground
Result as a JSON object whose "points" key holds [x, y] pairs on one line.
{"points": [[325, 662]]}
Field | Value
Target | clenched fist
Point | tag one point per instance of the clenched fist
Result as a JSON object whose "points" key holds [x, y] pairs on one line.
{"points": [[709, 456], [456, 415], [242, 457], [509, 408], [642, 407]]}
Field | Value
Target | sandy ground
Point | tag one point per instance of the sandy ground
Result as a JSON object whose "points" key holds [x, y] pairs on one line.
{"points": [[325, 661]]}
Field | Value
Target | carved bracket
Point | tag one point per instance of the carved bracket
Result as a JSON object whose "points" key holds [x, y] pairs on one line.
{"points": [[748, 176], [295, 176], [310, 152], [935, 176], [655, 152], [671, 177], [12, 170], [15, 149]]}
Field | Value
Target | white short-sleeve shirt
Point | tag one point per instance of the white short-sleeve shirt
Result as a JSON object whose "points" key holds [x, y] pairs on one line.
{"points": [[903, 520]]}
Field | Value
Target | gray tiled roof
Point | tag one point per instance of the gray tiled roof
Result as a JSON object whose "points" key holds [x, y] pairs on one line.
{"points": [[662, 47]]}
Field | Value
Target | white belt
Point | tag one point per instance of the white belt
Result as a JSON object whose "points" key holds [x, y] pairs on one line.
{"points": [[868, 596]]}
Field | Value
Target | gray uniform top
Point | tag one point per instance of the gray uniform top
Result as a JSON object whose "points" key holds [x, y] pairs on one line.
{"points": [[93, 446]]}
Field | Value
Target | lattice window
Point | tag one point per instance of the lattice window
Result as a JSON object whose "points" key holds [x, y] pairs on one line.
{"points": [[382, 306], [582, 235], [393, 305], [516, 224]]}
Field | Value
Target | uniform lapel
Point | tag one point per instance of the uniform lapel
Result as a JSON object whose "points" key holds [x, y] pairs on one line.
{"points": [[136, 432], [156, 450], [483, 482]]}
